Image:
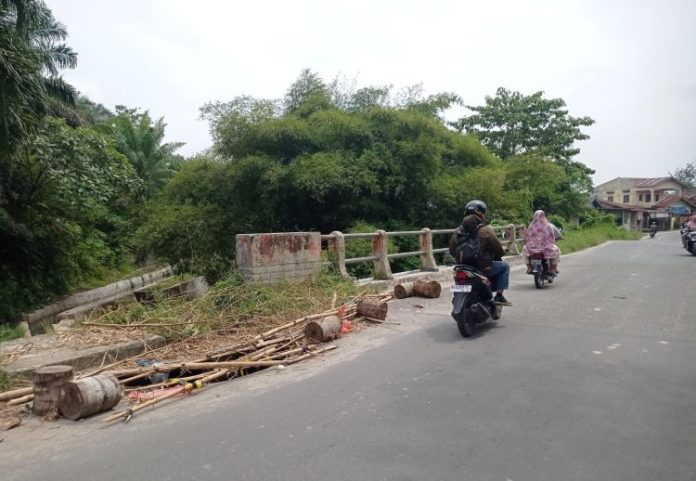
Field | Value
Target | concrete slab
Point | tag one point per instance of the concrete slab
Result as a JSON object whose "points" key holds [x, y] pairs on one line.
{"points": [[82, 358]]}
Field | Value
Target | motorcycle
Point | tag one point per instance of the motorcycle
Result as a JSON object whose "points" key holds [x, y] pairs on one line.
{"points": [[689, 241], [540, 270], [652, 233], [472, 300]]}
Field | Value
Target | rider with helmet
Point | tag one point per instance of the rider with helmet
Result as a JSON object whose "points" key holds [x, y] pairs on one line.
{"points": [[490, 250]]}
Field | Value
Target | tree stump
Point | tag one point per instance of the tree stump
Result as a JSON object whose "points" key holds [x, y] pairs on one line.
{"points": [[430, 289], [48, 382], [88, 396], [323, 330], [373, 308]]}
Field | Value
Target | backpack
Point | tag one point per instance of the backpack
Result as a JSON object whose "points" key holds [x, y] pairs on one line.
{"points": [[465, 246]]}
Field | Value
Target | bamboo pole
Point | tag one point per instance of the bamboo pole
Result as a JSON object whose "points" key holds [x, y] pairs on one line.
{"points": [[21, 400], [128, 413], [8, 395]]}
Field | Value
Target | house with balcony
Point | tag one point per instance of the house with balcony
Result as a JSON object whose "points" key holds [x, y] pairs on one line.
{"points": [[638, 201]]}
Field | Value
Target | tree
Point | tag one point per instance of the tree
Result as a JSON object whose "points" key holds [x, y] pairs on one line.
{"points": [[511, 123], [307, 94], [142, 141], [686, 175], [63, 216], [32, 53]]}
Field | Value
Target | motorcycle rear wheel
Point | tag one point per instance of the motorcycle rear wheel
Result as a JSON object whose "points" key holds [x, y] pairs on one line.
{"points": [[538, 280], [466, 328]]}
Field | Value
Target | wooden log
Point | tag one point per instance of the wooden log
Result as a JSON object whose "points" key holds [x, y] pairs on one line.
{"points": [[88, 396], [407, 289], [430, 289], [374, 308], [9, 395], [48, 382], [323, 330]]}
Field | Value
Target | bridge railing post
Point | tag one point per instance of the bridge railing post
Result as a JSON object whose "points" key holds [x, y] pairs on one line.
{"points": [[379, 249], [427, 257], [336, 246], [510, 236]]}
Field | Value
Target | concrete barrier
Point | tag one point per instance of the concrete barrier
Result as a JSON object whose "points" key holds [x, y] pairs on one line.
{"points": [[273, 257], [36, 319]]}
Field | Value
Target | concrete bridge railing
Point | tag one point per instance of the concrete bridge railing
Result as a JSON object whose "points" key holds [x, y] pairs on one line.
{"points": [[270, 257]]}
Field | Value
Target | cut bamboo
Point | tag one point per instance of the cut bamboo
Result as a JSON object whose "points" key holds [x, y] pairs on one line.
{"points": [[16, 393]]}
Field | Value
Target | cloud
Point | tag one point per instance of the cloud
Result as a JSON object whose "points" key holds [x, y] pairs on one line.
{"points": [[628, 65]]}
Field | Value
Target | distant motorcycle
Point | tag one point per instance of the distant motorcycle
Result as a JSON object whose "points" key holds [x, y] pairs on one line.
{"points": [[540, 270], [472, 300], [652, 234], [689, 240]]}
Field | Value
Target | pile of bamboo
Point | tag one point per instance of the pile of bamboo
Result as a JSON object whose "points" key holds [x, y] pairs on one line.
{"points": [[280, 346]]}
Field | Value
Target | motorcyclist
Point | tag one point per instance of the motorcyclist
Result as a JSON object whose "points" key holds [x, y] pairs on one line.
{"points": [[541, 238], [653, 227], [491, 251]]}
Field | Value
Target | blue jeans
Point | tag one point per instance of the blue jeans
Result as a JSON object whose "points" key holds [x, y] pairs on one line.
{"points": [[499, 274]]}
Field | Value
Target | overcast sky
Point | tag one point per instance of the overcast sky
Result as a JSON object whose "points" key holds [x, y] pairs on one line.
{"points": [[630, 65]]}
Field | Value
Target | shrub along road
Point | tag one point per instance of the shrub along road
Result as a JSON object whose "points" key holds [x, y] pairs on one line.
{"points": [[590, 378]]}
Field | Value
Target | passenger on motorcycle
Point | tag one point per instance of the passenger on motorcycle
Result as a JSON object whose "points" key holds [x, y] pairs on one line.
{"points": [[490, 251], [541, 239], [691, 223]]}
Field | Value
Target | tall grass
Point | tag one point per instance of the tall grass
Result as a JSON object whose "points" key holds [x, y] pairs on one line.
{"points": [[578, 239], [7, 332], [233, 301]]}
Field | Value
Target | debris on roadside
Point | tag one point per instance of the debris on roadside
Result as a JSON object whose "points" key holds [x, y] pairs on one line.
{"points": [[146, 382], [420, 288]]}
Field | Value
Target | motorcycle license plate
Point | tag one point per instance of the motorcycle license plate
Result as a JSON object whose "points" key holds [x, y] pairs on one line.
{"points": [[536, 262], [464, 288]]}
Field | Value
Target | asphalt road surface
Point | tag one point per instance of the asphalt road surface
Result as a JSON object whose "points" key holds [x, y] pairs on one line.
{"points": [[591, 378]]}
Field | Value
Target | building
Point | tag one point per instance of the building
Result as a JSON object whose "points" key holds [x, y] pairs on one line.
{"points": [[637, 201]]}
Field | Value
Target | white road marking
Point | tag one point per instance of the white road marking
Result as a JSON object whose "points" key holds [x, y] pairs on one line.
{"points": [[596, 352]]}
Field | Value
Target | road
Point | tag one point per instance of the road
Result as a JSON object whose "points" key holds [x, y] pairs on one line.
{"points": [[592, 378]]}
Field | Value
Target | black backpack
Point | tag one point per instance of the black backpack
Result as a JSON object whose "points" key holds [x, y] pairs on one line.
{"points": [[465, 246]]}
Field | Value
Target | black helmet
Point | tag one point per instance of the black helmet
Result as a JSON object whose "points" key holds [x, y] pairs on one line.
{"points": [[475, 206]]}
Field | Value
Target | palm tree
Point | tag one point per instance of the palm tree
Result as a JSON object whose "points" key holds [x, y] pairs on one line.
{"points": [[32, 53], [141, 140]]}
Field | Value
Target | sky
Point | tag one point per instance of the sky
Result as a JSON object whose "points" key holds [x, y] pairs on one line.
{"points": [[629, 65]]}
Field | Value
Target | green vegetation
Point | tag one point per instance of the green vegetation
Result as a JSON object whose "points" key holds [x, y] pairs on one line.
{"points": [[687, 175], [233, 300], [87, 193], [594, 234], [8, 333]]}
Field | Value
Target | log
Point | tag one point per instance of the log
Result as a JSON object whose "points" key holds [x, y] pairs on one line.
{"points": [[407, 289], [48, 382], [88, 396], [323, 330], [374, 308], [430, 289]]}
